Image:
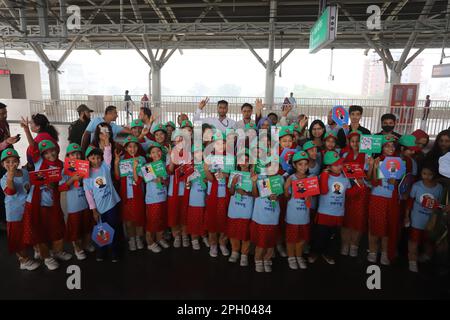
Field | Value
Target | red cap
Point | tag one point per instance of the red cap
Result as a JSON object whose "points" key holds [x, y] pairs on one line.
{"points": [[419, 134]]}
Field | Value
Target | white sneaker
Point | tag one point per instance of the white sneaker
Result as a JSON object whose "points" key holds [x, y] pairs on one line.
{"points": [[328, 259], [224, 250], [163, 243], [384, 259], [29, 265], [62, 255], [154, 248], [267, 265], [372, 257], [302, 263], [413, 266], [292, 263], [139, 243], [195, 244], [90, 248], [37, 255], [244, 260], [345, 250], [185, 241], [51, 264], [213, 250], [259, 266], [234, 257], [177, 242], [132, 244], [80, 255], [354, 251], [205, 241], [281, 250]]}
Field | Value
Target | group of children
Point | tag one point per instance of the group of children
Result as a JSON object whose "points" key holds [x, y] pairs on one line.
{"points": [[210, 206]]}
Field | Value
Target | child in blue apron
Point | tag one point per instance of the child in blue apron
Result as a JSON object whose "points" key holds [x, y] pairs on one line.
{"points": [[425, 195], [79, 219], [264, 228], [331, 210], [240, 212], [101, 195], [196, 191], [156, 206], [297, 214], [15, 184]]}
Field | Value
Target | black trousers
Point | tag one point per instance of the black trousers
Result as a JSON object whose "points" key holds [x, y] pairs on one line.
{"points": [[322, 238]]}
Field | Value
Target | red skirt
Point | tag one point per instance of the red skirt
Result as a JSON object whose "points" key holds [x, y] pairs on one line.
{"points": [[156, 217], [264, 236], [378, 215], [195, 221], [329, 220], [356, 207], [417, 235], [79, 224], [176, 211], [238, 229], [297, 232], [46, 225], [133, 211], [14, 232], [216, 218]]}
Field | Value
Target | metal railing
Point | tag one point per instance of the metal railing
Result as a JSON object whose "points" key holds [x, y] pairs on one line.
{"points": [[410, 119]]}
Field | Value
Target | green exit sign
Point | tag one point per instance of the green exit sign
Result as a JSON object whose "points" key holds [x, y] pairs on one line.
{"points": [[324, 30]]}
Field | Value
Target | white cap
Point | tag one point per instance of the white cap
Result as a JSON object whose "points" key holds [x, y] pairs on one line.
{"points": [[444, 165]]}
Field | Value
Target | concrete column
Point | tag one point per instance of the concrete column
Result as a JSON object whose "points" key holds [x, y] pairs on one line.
{"points": [[156, 85], [54, 83], [270, 65]]}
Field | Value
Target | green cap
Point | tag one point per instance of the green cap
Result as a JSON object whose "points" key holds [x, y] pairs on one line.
{"points": [[250, 126], [387, 139], [159, 127], [137, 123], [186, 123], [285, 130], [45, 145], [171, 124], [332, 157], [296, 127], [154, 145], [408, 141], [73, 147], [308, 145], [89, 150], [330, 134], [10, 152], [129, 139], [301, 155]]}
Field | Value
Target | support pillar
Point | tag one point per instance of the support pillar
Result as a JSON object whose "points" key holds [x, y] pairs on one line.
{"points": [[270, 64], [156, 85], [54, 83]]}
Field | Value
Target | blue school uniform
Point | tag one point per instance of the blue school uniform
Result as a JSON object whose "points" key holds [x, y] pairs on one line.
{"points": [[15, 204], [101, 185], [221, 190], [333, 203], [264, 212], [197, 194], [240, 207], [181, 186], [46, 192], [155, 193], [384, 189], [419, 214], [76, 197], [296, 212]]}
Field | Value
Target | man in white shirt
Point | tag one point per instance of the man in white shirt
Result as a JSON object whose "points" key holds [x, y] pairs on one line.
{"points": [[222, 122]]}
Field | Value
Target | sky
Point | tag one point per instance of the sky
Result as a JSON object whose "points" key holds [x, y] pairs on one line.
{"points": [[220, 72]]}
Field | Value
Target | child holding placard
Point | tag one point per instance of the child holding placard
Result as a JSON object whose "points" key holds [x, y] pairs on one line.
{"points": [[101, 195], [79, 219], [419, 212], [217, 201], [43, 217], [239, 213], [297, 214], [264, 228], [131, 186], [156, 205], [15, 184], [356, 202], [196, 189], [330, 214], [384, 206]]}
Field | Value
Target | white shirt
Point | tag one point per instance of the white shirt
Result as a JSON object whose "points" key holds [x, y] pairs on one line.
{"points": [[221, 125]]}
